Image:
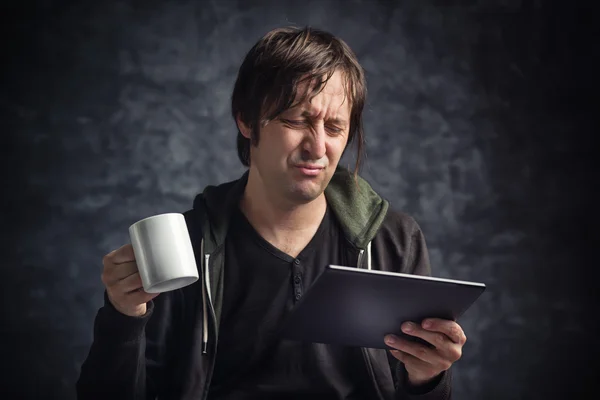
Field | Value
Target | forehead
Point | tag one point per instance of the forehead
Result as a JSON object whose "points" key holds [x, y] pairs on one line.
{"points": [[333, 99]]}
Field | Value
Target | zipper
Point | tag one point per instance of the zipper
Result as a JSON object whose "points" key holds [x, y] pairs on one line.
{"points": [[371, 372]]}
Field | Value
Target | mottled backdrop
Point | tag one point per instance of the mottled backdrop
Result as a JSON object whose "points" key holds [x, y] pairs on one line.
{"points": [[478, 124]]}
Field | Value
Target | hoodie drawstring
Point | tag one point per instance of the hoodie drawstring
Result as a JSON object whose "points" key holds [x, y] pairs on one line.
{"points": [[361, 253], [204, 267]]}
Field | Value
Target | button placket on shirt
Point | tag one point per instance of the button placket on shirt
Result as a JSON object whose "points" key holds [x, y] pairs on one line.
{"points": [[297, 279]]}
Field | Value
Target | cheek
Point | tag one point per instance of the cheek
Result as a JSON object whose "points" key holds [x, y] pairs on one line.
{"points": [[277, 146], [280, 138], [288, 143], [336, 148]]}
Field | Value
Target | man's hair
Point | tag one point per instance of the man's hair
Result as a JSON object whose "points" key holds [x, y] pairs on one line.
{"points": [[278, 64]]}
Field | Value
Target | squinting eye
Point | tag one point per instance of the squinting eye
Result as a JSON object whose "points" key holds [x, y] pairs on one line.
{"points": [[292, 122], [335, 129]]}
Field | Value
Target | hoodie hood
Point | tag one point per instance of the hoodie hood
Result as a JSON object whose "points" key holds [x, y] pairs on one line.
{"points": [[358, 208]]}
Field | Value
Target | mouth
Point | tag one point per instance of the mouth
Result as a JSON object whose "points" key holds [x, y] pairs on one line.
{"points": [[309, 170]]}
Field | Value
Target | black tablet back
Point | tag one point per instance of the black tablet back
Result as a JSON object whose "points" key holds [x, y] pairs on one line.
{"points": [[358, 307]]}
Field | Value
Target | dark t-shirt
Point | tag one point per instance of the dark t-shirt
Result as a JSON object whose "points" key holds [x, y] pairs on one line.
{"points": [[262, 284]]}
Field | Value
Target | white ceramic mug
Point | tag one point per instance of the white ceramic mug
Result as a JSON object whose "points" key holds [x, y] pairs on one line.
{"points": [[163, 252]]}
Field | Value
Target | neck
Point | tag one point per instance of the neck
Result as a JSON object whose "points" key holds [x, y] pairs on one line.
{"points": [[275, 217]]}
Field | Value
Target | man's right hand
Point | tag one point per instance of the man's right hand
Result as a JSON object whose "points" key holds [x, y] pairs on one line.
{"points": [[123, 282]]}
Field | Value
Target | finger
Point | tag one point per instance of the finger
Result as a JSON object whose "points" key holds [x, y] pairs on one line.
{"points": [[131, 283], [123, 254], [447, 327], [114, 273], [417, 350], [417, 367], [140, 296], [437, 339], [410, 362], [446, 348]]}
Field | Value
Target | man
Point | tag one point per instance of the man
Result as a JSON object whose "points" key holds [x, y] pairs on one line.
{"points": [[260, 242]]}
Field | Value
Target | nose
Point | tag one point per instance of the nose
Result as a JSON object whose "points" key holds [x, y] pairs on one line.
{"points": [[314, 143]]}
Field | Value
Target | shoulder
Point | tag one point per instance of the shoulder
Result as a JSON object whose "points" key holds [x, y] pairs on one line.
{"points": [[398, 223], [397, 232], [399, 245]]}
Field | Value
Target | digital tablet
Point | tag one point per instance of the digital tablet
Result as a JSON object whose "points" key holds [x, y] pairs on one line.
{"points": [[358, 307]]}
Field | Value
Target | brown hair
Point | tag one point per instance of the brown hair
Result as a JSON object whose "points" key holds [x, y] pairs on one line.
{"points": [[269, 77]]}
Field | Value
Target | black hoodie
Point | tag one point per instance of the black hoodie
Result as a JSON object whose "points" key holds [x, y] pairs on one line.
{"points": [[170, 352]]}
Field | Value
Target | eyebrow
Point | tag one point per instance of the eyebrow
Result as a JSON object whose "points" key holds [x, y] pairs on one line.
{"points": [[337, 121]]}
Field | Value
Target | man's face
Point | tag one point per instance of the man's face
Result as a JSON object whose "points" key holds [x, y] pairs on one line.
{"points": [[299, 151]]}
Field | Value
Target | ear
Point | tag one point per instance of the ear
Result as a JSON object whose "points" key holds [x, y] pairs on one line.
{"points": [[244, 129]]}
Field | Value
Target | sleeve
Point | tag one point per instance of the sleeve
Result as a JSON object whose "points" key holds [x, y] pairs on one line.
{"points": [[126, 359]]}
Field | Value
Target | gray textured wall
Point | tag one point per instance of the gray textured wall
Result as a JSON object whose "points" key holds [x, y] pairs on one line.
{"points": [[477, 125]]}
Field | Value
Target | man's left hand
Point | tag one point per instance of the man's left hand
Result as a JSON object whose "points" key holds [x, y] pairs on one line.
{"points": [[421, 362]]}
